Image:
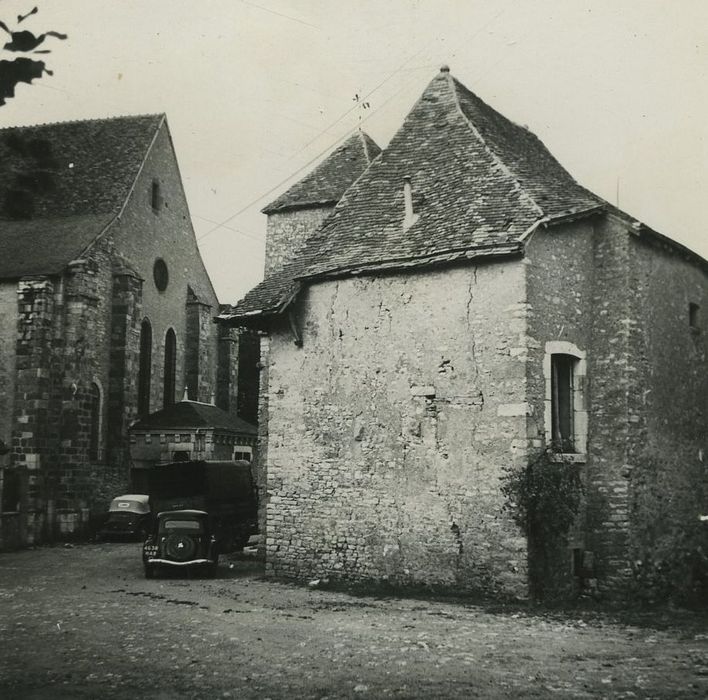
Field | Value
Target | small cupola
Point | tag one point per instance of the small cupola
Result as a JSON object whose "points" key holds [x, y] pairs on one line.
{"points": [[410, 217]]}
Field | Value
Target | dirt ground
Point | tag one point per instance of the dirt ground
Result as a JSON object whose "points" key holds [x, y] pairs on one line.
{"points": [[82, 622]]}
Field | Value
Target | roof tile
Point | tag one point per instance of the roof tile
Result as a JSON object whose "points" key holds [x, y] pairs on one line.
{"points": [[61, 184], [479, 183], [194, 414], [329, 180]]}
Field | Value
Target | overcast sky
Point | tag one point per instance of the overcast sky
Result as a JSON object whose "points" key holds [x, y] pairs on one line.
{"points": [[255, 91]]}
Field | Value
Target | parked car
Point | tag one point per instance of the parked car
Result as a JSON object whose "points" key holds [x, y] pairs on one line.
{"points": [[128, 516], [181, 539]]}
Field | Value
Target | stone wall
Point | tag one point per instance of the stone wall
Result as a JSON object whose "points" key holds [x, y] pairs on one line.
{"points": [[389, 429], [11, 535], [625, 302], [560, 294], [8, 337], [668, 424], [141, 236], [287, 232], [81, 330], [126, 317], [198, 350], [227, 381], [32, 432]]}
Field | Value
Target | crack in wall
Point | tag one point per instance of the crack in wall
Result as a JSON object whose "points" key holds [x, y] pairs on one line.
{"points": [[470, 298]]}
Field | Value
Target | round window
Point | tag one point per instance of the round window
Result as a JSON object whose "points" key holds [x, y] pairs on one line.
{"points": [[160, 275]]}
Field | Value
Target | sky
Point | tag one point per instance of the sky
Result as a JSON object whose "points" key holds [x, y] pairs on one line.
{"points": [[257, 91]]}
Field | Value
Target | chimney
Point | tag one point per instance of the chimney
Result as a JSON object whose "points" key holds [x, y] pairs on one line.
{"points": [[410, 217]]}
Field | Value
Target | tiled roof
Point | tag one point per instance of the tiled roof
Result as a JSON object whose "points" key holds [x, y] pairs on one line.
{"points": [[479, 184], [194, 414], [477, 180], [62, 184], [330, 179]]}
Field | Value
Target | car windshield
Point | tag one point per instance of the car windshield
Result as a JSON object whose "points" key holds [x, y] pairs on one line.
{"points": [[191, 525]]}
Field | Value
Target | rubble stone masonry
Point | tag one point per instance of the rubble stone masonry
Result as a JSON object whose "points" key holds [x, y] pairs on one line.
{"points": [[667, 467], [624, 301], [385, 434], [389, 429], [287, 232], [80, 330]]}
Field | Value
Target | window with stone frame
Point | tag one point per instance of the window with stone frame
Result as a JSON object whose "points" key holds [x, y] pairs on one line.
{"points": [[562, 428], [565, 409], [145, 368], [95, 451]]}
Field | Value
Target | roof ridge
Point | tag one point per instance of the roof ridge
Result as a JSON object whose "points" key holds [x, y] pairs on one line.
{"points": [[497, 159], [363, 137], [362, 140], [85, 121]]}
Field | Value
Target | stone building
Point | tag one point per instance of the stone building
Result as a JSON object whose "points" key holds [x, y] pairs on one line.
{"points": [[188, 431], [466, 308], [302, 208], [106, 313], [292, 218]]}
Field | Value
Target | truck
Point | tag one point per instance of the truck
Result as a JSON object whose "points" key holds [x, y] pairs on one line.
{"points": [[224, 490]]}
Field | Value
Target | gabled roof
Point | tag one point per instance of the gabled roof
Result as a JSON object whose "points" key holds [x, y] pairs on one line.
{"points": [[480, 184], [62, 184], [194, 414], [330, 179]]}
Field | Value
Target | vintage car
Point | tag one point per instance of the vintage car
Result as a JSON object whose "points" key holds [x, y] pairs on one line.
{"points": [[181, 539], [128, 516]]}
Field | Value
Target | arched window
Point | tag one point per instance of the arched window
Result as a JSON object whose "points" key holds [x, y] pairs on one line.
{"points": [[94, 453], [145, 369], [170, 368]]}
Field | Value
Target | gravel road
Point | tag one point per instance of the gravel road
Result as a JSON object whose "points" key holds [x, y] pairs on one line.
{"points": [[82, 622]]}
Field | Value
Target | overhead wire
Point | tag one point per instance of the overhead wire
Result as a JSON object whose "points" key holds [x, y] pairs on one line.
{"points": [[279, 14], [326, 129]]}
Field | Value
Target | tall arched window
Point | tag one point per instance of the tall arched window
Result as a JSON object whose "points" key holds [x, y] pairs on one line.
{"points": [[145, 369], [170, 368], [94, 453]]}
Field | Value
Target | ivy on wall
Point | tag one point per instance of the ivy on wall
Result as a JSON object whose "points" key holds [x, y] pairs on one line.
{"points": [[544, 499]]}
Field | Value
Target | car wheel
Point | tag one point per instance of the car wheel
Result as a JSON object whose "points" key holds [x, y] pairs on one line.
{"points": [[149, 571]]}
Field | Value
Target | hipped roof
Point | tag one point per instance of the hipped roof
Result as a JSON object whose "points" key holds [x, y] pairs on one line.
{"points": [[479, 183], [326, 184], [194, 414]]}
